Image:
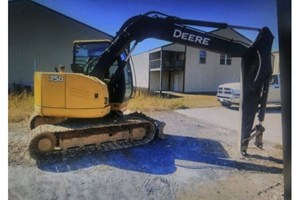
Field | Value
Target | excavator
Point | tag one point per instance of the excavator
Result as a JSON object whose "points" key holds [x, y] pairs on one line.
{"points": [[84, 109]]}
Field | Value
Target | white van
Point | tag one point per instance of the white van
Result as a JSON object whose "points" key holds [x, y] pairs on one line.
{"points": [[229, 93]]}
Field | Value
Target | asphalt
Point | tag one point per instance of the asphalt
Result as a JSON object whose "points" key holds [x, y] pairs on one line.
{"points": [[229, 118]]}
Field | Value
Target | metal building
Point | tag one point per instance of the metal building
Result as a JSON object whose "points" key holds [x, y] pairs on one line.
{"points": [[41, 39], [181, 68]]}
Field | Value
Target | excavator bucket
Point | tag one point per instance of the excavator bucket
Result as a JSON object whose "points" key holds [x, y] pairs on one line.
{"points": [[255, 76]]}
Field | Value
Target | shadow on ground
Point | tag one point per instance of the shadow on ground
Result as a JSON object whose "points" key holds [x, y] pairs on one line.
{"points": [[157, 157]]}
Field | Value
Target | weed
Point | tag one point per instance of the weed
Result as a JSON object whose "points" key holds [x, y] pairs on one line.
{"points": [[20, 107]]}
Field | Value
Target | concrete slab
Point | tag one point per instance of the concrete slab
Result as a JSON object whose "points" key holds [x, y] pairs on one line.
{"points": [[229, 118]]}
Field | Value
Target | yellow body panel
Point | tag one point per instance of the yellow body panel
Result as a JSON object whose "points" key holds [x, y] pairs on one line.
{"points": [[53, 91], [70, 95]]}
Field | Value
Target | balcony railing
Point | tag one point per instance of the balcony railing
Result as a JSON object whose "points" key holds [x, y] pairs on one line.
{"points": [[177, 65], [171, 60]]}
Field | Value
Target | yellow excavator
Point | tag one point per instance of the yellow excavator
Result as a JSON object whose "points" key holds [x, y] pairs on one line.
{"points": [[84, 108]]}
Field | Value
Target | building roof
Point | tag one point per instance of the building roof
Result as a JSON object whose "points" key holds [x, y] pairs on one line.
{"points": [[20, 2]]}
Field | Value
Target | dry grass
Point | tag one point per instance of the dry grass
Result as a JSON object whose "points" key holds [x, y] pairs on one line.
{"points": [[20, 107], [148, 102]]}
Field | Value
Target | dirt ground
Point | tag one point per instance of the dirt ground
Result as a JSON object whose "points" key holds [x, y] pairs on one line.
{"points": [[195, 161]]}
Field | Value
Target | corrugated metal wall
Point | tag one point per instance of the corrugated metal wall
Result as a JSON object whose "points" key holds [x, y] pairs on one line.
{"points": [[41, 38]]}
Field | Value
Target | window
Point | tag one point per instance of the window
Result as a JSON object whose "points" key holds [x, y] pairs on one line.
{"points": [[86, 55], [202, 56], [180, 56], [154, 56], [225, 59], [154, 59]]}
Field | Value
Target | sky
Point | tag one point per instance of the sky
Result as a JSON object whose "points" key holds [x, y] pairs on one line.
{"points": [[108, 16]]}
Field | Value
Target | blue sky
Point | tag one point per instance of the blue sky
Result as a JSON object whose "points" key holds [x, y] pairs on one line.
{"points": [[108, 15]]}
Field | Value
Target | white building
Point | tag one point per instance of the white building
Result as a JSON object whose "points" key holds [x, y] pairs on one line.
{"points": [[41, 39], [181, 68]]}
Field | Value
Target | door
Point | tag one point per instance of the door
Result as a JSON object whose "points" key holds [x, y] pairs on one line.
{"points": [[176, 83]]}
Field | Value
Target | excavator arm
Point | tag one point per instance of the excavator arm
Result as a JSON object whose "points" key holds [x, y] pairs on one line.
{"points": [[256, 59]]}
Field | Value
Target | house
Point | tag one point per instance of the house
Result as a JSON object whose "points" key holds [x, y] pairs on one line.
{"points": [[41, 39], [180, 68]]}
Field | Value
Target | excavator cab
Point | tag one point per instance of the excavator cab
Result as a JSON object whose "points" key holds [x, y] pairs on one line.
{"points": [[86, 54]]}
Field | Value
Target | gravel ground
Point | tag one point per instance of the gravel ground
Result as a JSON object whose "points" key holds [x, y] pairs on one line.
{"points": [[197, 160]]}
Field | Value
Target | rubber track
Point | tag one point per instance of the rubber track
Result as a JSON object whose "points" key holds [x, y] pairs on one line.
{"points": [[82, 128]]}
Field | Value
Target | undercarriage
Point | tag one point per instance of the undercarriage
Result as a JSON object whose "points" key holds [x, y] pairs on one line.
{"points": [[104, 134]]}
